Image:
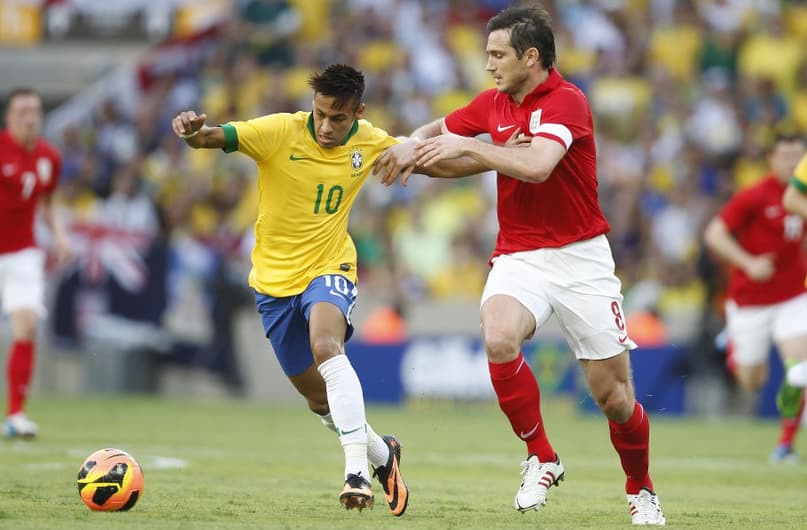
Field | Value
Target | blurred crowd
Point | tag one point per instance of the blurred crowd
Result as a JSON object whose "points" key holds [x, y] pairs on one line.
{"points": [[687, 95]]}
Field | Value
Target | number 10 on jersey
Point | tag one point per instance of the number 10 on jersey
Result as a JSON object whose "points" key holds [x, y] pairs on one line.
{"points": [[332, 199]]}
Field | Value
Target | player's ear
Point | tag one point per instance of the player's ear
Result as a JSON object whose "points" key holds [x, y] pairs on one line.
{"points": [[359, 111], [532, 57]]}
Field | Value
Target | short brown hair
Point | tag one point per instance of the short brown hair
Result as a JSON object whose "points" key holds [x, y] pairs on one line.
{"points": [[530, 27], [20, 91]]}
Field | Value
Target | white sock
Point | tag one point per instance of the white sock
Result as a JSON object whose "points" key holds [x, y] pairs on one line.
{"points": [[327, 420], [797, 375], [377, 450], [346, 402], [356, 460]]}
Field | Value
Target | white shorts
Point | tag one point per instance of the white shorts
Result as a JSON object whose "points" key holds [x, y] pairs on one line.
{"points": [[753, 329], [578, 284], [22, 281]]}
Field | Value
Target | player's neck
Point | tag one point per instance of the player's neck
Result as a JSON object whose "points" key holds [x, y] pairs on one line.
{"points": [[26, 141], [782, 179], [530, 84]]}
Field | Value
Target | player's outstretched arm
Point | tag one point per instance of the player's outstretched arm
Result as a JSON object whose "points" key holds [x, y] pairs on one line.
{"points": [[191, 127], [465, 166], [430, 130], [720, 240], [400, 159], [534, 163], [455, 168]]}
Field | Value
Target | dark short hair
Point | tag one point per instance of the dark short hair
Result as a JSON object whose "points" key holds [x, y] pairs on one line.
{"points": [[342, 82], [530, 27], [785, 138], [20, 91]]}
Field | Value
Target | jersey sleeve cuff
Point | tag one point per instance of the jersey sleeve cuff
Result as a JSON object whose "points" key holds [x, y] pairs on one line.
{"points": [[230, 138], [555, 131], [799, 185]]}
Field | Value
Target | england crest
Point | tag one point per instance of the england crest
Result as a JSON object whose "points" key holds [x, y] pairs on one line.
{"points": [[535, 121], [44, 169]]}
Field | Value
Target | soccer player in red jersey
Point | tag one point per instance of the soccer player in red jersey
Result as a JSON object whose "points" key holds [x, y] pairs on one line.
{"points": [[766, 302], [551, 253], [29, 172]]}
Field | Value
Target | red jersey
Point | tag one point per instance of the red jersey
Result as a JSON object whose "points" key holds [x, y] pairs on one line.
{"points": [[758, 221], [563, 209], [24, 177]]}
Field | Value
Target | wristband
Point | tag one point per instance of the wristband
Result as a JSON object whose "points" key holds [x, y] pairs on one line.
{"points": [[191, 135]]}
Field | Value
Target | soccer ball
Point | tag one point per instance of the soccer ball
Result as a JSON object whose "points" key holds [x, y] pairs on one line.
{"points": [[110, 480]]}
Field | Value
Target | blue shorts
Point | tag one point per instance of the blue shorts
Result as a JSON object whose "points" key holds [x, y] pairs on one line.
{"points": [[285, 320]]}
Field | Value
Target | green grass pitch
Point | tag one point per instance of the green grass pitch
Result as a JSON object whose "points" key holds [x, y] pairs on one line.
{"points": [[232, 464]]}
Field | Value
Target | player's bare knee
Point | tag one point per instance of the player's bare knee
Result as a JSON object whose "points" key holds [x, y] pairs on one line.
{"points": [[24, 324], [25, 334], [751, 378], [794, 349], [751, 384], [501, 347], [615, 403], [318, 406], [324, 349], [317, 399]]}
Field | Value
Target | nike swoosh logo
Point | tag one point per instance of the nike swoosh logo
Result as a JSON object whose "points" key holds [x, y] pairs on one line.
{"points": [[292, 157], [502, 129], [341, 432], [524, 436], [394, 501], [622, 339], [394, 504]]}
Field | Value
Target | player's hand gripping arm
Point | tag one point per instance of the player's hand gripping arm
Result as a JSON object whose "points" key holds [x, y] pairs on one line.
{"points": [[401, 158], [191, 128], [720, 241]]}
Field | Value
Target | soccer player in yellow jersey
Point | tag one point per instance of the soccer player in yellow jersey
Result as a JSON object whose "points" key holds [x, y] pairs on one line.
{"points": [[795, 201], [311, 165]]}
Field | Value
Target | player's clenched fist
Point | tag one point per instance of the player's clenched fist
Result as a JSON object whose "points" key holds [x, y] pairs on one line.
{"points": [[187, 124], [191, 128]]}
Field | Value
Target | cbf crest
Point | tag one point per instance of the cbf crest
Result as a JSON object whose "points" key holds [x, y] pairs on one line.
{"points": [[356, 162]]}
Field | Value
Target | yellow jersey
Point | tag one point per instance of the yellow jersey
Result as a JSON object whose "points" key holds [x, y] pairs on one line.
{"points": [[799, 180], [305, 193]]}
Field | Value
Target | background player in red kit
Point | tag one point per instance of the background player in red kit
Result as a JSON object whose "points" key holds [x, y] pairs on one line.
{"points": [[551, 254], [766, 294], [29, 172]]}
